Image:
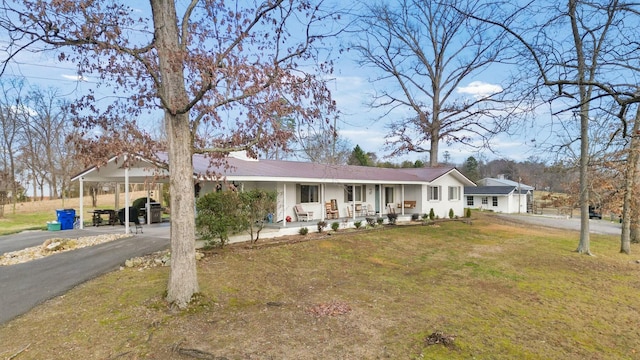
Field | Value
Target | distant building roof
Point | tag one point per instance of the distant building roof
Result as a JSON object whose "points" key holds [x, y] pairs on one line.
{"points": [[503, 182], [492, 190]]}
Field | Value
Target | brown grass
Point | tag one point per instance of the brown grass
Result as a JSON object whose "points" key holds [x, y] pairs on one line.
{"points": [[502, 291]]}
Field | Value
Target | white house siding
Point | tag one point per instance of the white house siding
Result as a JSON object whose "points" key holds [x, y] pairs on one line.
{"points": [[517, 201], [442, 206], [506, 203]]}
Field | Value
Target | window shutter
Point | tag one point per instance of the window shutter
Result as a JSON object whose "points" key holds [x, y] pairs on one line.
{"points": [[364, 193], [298, 191]]}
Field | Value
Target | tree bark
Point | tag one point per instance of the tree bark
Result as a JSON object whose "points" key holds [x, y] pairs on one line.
{"points": [[183, 280], [583, 245], [630, 182]]}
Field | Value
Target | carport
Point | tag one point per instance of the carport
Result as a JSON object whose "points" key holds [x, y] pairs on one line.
{"points": [[124, 169]]}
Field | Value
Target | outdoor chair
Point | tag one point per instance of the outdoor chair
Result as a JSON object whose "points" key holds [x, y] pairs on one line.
{"points": [[134, 217], [370, 210], [301, 214], [349, 213], [330, 212]]}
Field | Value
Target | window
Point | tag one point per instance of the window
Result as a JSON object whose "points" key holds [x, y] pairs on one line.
{"points": [[495, 201], [388, 195], [485, 200], [433, 193], [309, 193], [469, 200], [454, 192], [348, 193]]}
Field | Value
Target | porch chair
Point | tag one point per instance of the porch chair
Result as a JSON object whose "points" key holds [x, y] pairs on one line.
{"points": [[349, 213], [392, 209], [330, 212], [370, 210], [301, 214]]}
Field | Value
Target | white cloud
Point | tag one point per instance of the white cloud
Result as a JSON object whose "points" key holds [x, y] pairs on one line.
{"points": [[75, 77], [479, 89]]}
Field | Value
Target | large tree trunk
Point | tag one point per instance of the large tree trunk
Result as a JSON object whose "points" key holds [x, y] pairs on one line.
{"points": [[635, 212], [584, 244], [629, 183], [183, 280]]}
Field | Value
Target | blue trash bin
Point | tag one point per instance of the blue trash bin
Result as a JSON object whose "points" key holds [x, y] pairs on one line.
{"points": [[66, 218]]}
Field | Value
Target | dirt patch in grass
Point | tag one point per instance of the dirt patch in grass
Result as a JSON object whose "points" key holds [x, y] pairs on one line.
{"points": [[400, 293]]}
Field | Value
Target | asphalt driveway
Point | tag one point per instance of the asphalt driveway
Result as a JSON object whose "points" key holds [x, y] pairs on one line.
{"points": [[560, 222], [26, 285]]}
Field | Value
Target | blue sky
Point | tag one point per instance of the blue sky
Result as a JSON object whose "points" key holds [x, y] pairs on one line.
{"points": [[351, 90]]}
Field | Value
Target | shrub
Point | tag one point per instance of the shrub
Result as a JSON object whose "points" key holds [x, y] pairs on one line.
{"points": [[371, 221], [392, 218], [321, 226], [451, 214], [432, 214], [380, 220], [219, 215], [335, 226], [303, 231], [357, 224], [467, 213], [415, 217]]}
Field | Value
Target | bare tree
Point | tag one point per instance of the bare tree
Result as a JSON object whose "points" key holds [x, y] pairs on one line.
{"points": [[581, 53], [221, 63], [10, 128], [427, 51]]}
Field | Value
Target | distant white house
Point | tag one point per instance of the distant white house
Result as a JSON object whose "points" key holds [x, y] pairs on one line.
{"points": [[500, 195]]}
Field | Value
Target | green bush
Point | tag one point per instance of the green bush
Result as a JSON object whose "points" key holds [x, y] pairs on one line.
{"points": [[392, 218], [303, 231], [380, 220], [256, 206], [357, 224], [141, 203], [224, 213], [335, 226], [467, 213], [321, 226], [451, 214], [218, 216], [432, 214]]}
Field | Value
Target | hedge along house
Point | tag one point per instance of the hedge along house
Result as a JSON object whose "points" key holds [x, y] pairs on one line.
{"points": [[322, 191]]}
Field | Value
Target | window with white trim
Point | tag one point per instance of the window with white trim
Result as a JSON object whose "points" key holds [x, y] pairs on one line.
{"points": [[495, 201], [349, 192], [469, 200], [433, 193], [309, 193], [485, 200], [454, 192]]}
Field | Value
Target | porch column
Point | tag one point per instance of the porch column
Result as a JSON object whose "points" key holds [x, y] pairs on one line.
{"points": [[381, 203], [81, 203], [353, 201], [323, 210], [402, 198], [284, 205]]}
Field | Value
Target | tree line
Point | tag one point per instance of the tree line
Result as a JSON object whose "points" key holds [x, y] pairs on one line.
{"points": [[36, 142]]}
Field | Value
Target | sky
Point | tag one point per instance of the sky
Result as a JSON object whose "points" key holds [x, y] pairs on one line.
{"points": [[350, 88]]}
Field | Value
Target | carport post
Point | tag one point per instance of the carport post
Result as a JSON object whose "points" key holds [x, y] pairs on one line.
{"points": [[126, 197], [81, 202]]}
